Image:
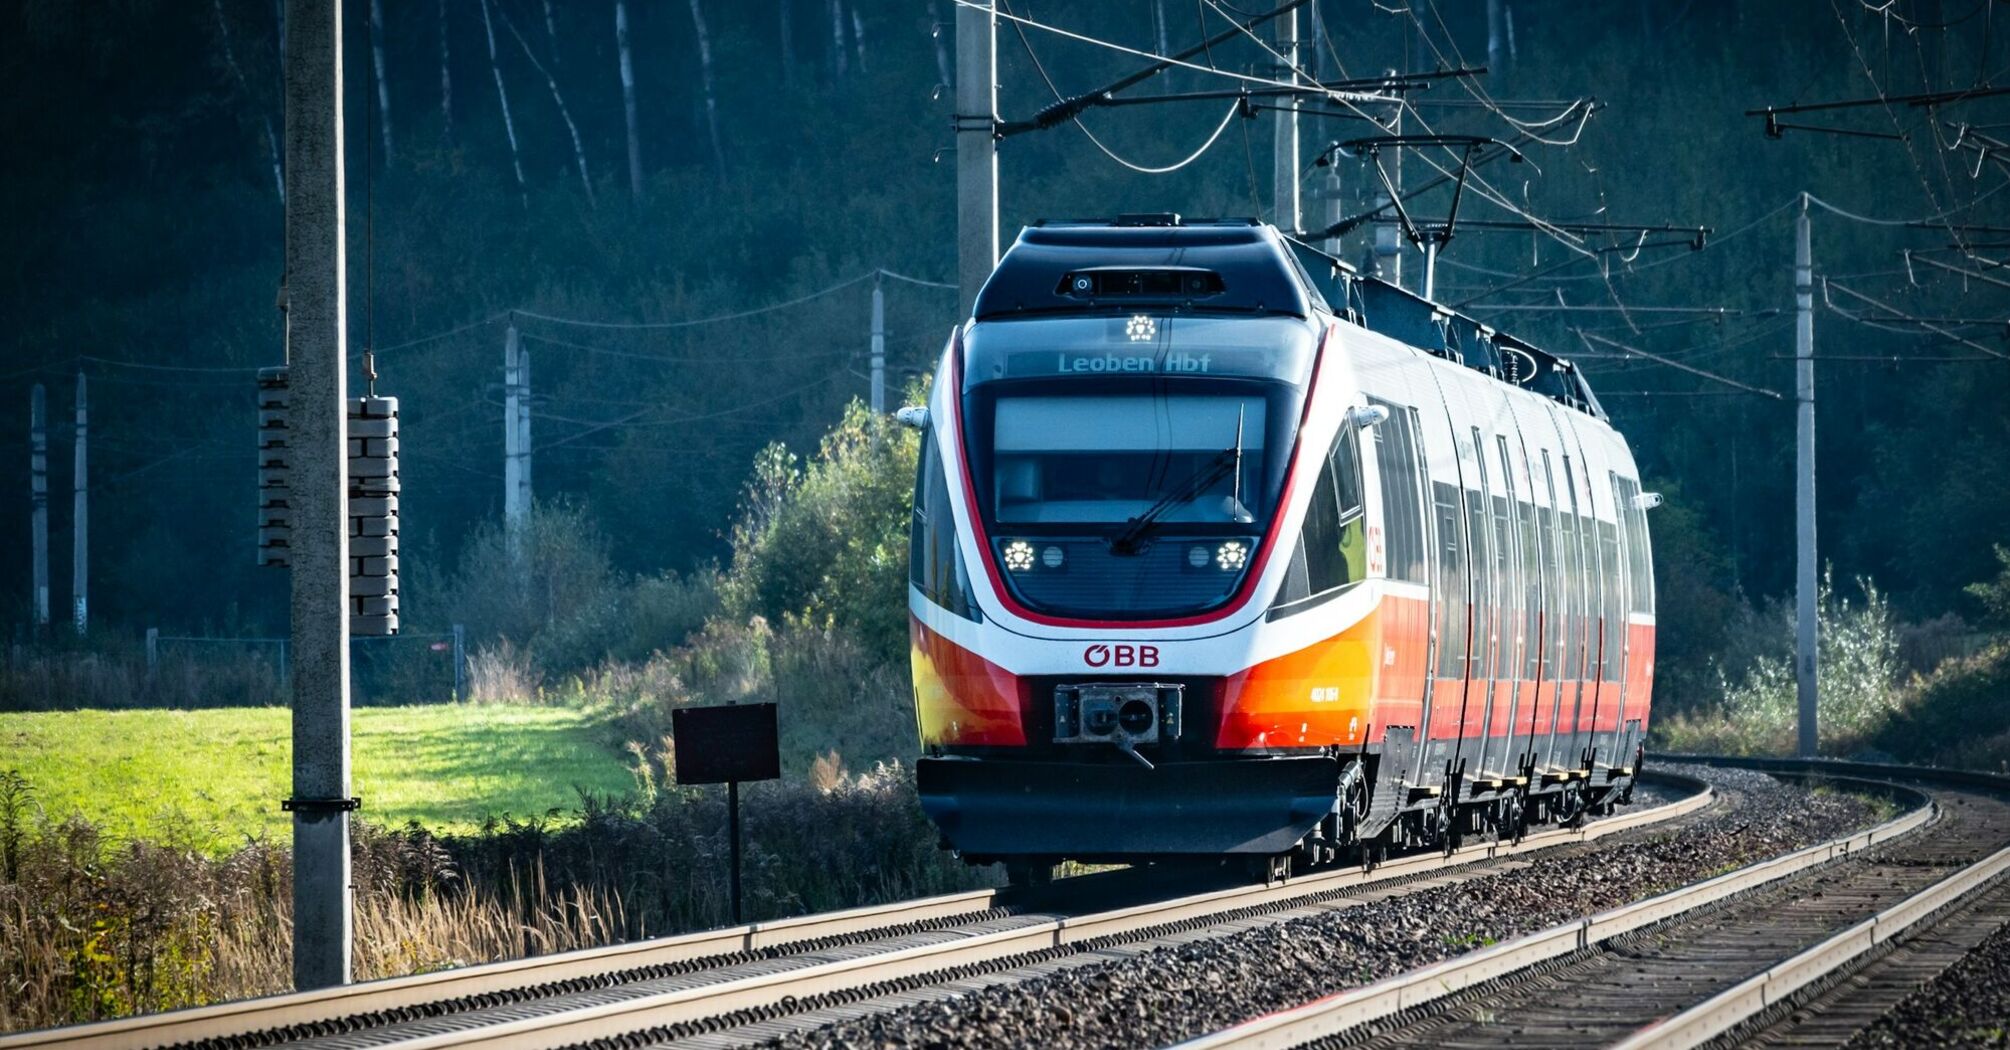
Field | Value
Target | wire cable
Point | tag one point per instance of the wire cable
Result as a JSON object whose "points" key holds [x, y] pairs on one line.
{"points": [[1143, 169], [695, 322]]}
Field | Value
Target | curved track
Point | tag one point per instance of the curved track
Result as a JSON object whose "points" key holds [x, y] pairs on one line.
{"points": [[1802, 950]]}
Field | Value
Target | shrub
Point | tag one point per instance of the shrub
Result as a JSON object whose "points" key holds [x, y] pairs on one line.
{"points": [[1956, 716], [826, 543], [1759, 712], [545, 593]]}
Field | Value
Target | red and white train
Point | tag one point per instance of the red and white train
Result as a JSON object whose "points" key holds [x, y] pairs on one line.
{"points": [[1220, 547]]}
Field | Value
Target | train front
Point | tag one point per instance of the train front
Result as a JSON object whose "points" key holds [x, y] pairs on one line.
{"points": [[1104, 464]]}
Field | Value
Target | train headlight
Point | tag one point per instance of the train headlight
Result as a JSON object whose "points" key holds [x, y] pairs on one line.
{"points": [[1196, 556], [1018, 555], [1231, 556], [1052, 557]]}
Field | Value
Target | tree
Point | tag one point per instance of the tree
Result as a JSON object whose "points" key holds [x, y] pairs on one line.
{"points": [[711, 92], [502, 96], [1994, 594], [558, 98], [828, 542], [237, 74], [628, 98], [383, 82], [446, 83]]}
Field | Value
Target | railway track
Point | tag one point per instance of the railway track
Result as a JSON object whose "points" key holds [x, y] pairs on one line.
{"points": [[746, 983], [1805, 949]]}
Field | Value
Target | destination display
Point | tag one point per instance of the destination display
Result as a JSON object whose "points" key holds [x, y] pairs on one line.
{"points": [[1279, 348]]}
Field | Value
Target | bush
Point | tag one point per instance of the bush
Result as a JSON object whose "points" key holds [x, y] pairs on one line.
{"points": [[545, 593], [1760, 710], [1956, 715], [826, 543], [833, 694]]}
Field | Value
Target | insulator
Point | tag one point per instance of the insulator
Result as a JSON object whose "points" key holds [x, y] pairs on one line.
{"points": [[373, 516], [275, 507]]}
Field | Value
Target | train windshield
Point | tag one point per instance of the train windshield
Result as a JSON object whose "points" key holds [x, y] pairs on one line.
{"points": [[1107, 459], [1128, 498]]}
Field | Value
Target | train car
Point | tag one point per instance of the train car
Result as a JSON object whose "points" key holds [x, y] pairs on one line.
{"points": [[1222, 549]]}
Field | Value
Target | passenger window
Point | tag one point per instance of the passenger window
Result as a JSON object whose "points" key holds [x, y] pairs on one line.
{"points": [[1402, 495], [1332, 549], [1452, 602]]}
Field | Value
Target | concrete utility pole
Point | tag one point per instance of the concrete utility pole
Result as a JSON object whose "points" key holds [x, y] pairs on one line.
{"points": [[38, 499], [523, 445], [513, 451], [878, 348], [1806, 582], [1284, 201], [976, 149], [80, 547], [317, 344]]}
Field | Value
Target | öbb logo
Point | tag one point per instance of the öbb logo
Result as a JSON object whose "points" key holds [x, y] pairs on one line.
{"points": [[1121, 656]]}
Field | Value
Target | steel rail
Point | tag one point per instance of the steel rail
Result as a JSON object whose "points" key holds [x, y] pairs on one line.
{"points": [[328, 1008], [684, 1006], [326, 1005], [1337, 1013], [1735, 1005]]}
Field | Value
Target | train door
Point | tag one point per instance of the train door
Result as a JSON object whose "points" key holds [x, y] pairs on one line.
{"points": [[1528, 684], [1451, 586], [1481, 662], [1512, 618], [1603, 555], [1636, 640], [1405, 542], [1581, 587], [1555, 619]]}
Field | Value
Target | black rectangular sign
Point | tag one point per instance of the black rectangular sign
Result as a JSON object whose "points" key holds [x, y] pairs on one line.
{"points": [[735, 742]]}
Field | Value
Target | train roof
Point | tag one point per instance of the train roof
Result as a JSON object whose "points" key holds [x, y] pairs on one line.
{"points": [[1247, 266]]}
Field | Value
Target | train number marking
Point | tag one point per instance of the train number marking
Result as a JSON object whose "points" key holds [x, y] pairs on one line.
{"points": [[1121, 656]]}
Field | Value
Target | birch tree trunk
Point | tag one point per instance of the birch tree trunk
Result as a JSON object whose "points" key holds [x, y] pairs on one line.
{"points": [[858, 36], [711, 96], [446, 83], [1496, 38], [578, 150], [839, 61], [383, 86], [244, 88], [502, 95], [628, 98], [940, 32], [788, 35]]}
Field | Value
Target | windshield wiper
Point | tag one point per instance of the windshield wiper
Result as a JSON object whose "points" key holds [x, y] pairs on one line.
{"points": [[1225, 463]]}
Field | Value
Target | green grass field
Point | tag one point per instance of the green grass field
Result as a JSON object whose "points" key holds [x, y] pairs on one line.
{"points": [[216, 776]]}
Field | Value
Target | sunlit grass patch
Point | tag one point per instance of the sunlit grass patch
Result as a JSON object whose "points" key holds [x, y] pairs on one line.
{"points": [[217, 776]]}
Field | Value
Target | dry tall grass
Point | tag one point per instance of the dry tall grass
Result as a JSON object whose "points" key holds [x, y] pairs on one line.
{"points": [[92, 928]]}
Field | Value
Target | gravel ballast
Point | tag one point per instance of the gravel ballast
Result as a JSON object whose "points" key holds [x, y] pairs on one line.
{"points": [[1967, 1005], [1172, 993]]}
